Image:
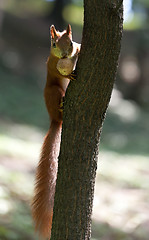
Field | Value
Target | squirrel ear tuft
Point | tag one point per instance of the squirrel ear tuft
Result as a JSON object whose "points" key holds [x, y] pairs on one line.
{"points": [[68, 31], [53, 31]]}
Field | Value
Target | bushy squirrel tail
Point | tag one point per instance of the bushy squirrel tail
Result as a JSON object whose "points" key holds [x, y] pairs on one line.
{"points": [[45, 181]]}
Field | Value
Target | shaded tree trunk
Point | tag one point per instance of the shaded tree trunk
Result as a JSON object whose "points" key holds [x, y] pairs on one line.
{"points": [[86, 103]]}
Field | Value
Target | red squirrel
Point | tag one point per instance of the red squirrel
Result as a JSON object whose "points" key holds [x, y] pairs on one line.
{"points": [[60, 64]]}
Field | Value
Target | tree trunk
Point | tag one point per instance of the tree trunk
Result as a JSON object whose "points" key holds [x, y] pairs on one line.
{"points": [[86, 103]]}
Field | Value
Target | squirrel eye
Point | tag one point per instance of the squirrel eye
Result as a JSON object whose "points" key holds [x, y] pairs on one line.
{"points": [[54, 45]]}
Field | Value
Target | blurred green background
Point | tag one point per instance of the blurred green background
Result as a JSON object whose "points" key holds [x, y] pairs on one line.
{"points": [[121, 200]]}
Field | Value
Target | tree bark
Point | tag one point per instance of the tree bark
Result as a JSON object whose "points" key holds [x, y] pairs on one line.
{"points": [[86, 103]]}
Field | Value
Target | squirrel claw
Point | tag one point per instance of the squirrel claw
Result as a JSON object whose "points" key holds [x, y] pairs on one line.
{"points": [[72, 76], [61, 106]]}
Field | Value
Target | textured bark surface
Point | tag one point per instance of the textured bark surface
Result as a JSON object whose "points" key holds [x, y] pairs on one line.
{"points": [[86, 103]]}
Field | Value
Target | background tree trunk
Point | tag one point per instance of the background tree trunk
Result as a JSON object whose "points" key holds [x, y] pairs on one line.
{"points": [[57, 14], [86, 103]]}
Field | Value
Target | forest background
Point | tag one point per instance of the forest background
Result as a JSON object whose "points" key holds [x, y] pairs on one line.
{"points": [[122, 183]]}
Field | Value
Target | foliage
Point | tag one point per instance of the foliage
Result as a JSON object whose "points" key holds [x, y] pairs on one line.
{"points": [[31, 8], [138, 16]]}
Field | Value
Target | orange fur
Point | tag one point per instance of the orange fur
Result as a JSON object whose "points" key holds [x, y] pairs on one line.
{"points": [[56, 85], [43, 200]]}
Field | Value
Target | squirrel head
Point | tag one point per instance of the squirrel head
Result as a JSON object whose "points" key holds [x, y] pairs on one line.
{"points": [[61, 42]]}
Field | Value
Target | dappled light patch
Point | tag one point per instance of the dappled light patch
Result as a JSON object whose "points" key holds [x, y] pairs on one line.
{"points": [[126, 127]]}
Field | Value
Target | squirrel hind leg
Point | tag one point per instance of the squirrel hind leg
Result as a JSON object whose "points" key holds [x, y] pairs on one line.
{"points": [[53, 97]]}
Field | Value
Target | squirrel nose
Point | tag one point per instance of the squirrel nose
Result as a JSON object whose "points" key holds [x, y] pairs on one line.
{"points": [[64, 55]]}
